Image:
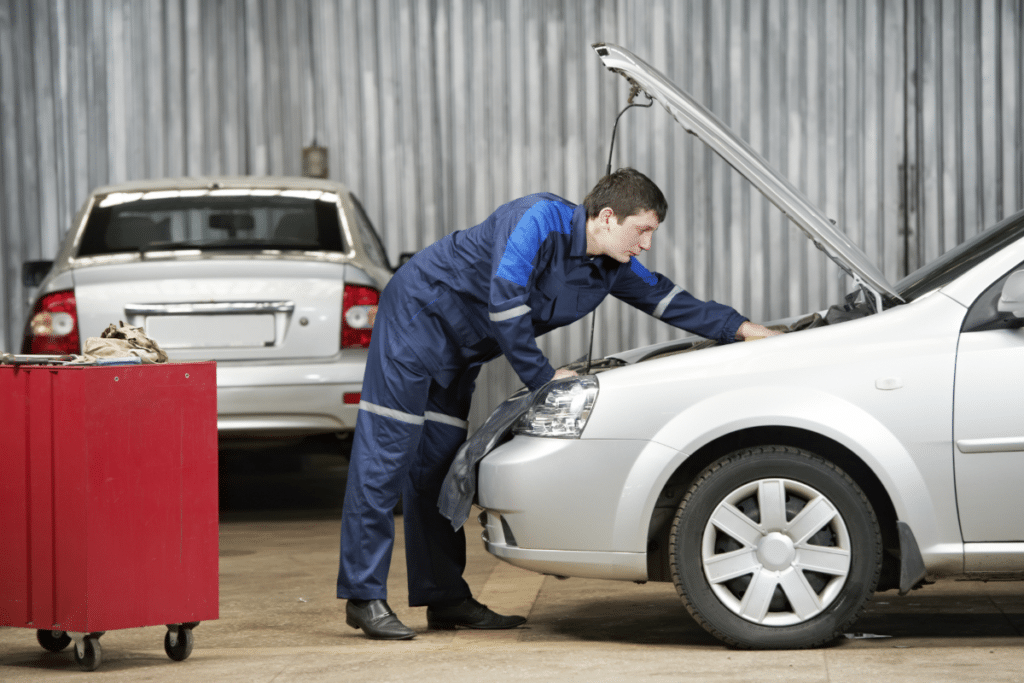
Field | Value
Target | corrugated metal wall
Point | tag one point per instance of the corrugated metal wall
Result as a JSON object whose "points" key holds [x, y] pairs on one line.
{"points": [[902, 119], [965, 121]]}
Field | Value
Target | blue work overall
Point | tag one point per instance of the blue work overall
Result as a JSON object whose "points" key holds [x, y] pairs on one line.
{"points": [[473, 295]]}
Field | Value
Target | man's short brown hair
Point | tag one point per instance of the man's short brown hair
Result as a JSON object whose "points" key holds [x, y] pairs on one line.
{"points": [[627, 192]]}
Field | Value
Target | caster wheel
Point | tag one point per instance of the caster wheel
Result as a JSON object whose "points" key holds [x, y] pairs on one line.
{"points": [[178, 646], [89, 655], [54, 641]]}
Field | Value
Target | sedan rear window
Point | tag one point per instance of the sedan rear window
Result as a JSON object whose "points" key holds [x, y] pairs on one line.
{"points": [[371, 242], [213, 220]]}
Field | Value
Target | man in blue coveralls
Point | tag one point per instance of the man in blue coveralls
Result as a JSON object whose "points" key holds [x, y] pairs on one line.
{"points": [[536, 263]]}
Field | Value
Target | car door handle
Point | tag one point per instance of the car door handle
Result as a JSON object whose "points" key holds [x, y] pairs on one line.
{"points": [[1000, 445], [211, 308]]}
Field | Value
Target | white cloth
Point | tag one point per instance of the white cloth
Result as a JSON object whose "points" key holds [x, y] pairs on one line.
{"points": [[121, 341]]}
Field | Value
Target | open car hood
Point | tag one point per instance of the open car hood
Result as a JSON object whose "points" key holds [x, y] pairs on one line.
{"points": [[695, 119]]}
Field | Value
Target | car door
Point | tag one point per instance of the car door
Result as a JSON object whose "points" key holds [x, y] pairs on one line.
{"points": [[988, 420]]}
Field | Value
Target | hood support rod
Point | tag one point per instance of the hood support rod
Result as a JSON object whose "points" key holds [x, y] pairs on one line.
{"points": [[633, 92]]}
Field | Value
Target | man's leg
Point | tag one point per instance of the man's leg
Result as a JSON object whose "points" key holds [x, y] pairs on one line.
{"points": [[377, 467], [387, 435], [436, 553]]}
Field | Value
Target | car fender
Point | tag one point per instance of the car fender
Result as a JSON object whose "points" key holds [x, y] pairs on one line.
{"points": [[918, 500]]}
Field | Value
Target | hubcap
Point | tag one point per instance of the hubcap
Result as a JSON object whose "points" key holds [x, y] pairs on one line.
{"points": [[776, 552]]}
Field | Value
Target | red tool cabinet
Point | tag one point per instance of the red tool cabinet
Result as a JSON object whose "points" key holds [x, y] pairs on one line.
{"points": [[108, 502]]}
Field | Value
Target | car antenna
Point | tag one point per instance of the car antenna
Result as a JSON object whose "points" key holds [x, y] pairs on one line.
{"points": [[633, 92]]}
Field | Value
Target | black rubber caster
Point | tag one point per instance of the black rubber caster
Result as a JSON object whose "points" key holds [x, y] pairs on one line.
{"points": [[54, 641], [178, 646]]}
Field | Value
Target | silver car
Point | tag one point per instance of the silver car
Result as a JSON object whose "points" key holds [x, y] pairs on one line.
{"points": [[779, 483], [277, 279]]}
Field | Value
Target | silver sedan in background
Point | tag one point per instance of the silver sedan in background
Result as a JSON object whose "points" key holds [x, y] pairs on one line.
{"points": [[277, 279]]}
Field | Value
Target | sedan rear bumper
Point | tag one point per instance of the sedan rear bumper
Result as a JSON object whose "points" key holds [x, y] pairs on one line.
{"points": [[287, 400]]}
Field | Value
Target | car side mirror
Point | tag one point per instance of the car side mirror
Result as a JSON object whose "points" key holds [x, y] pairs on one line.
{"points": [[1011, 300], [34, 272]]}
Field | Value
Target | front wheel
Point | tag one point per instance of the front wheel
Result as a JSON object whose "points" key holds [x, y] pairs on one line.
{"points": [[775, 547]]}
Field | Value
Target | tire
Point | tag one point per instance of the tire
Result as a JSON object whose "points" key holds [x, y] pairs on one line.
{"points": [[182, 648], [91, 656], [54, 641], [775, 548]]}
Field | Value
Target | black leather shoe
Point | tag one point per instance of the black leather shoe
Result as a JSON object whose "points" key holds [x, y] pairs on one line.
{"points": [[376, 619], [470, 614]]}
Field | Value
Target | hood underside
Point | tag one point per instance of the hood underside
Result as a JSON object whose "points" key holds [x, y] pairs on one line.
{"points": [[696, 119]]}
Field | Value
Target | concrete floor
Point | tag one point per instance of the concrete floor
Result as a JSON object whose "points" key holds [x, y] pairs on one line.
{"points": [[279, 620]]}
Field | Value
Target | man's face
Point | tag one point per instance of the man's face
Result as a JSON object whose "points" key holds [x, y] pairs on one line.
{"points": [[630, 236]]}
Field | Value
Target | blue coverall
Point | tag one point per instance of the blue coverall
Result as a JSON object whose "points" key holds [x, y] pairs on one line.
{"points": [[471, 296]]}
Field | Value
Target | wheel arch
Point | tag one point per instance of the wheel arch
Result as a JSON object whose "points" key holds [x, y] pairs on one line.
{"points": [[825, 447]]}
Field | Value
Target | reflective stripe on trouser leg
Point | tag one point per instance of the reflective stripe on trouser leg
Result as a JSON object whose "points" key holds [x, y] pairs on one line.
{"points": [[436, 553], [384, 447]]}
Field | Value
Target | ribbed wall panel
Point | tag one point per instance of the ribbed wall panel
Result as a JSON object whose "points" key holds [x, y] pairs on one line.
{"points": [[902, 119]]}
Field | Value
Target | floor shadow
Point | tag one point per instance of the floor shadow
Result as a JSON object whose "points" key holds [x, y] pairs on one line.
{"points": [[286, 480], [657, 621], [949, 615], [664, 621]]}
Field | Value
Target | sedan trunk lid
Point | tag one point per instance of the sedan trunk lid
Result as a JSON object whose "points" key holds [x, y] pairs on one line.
{"points": [[226, 308]]}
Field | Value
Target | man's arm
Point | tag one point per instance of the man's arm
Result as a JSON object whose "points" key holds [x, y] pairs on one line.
{"points": [[658, 296]]}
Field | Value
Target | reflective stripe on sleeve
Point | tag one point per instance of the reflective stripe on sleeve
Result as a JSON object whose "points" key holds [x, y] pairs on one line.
{"points": [[663, 304], [509, 314], [390, 412], [446, 419]]}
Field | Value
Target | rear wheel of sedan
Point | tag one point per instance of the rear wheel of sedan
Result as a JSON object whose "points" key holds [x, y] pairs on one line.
{"points": [[775, 547]]}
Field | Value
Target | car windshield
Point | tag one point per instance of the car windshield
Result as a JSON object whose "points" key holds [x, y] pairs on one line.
{"points": [[213, 220], [962, 258]]}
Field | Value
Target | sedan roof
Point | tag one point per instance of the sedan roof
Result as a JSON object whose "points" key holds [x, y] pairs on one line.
{"points": [[225, 182]]}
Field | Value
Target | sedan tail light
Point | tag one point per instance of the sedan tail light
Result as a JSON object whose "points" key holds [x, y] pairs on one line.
{"points": [[359, 308], [53, 327]]}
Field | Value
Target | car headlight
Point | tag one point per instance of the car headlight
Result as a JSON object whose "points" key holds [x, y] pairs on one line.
{"points": [[561, 409]]}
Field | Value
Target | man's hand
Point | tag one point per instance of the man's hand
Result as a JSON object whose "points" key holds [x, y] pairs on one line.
{"points": [[749, 331], [562, 373]]}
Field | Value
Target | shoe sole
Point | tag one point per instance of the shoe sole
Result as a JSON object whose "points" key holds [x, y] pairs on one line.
{"points": [[373, 636], [452, 626]]}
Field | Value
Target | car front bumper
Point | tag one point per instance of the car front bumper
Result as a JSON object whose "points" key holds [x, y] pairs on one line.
{"points": [[573, 507]]}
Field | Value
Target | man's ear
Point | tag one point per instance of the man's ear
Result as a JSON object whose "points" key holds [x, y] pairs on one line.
{"points": [[606, 215]]}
